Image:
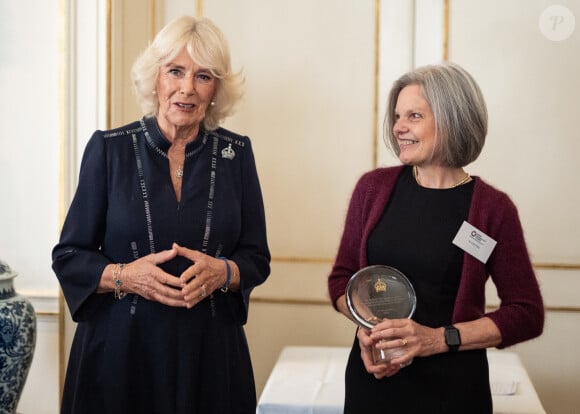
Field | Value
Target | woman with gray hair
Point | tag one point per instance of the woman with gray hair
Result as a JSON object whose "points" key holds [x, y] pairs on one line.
{"points": [[424, 218], [164, 241]]}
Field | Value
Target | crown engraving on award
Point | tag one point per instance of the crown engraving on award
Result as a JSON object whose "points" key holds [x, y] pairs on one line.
{"points": [[380, 285], [228, 152]]}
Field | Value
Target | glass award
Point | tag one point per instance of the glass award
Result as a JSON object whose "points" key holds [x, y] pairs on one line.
{"points": [[380, 292]]}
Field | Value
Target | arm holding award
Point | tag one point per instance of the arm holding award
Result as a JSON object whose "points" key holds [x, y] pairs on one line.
{"points": [[420, 241]]}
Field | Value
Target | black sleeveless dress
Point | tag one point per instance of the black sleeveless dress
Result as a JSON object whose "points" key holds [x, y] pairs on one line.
{"points": [[415, 235]]}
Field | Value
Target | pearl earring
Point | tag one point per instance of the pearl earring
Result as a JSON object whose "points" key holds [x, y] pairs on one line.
{"points": [[212, 103]]}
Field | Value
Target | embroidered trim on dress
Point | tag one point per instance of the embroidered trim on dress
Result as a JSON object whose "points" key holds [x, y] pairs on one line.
{"points": [[144, 194], [159, 151], [212, 177]]}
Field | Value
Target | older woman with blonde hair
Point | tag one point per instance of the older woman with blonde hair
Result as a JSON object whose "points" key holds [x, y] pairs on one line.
{"points": [[164, 241]]}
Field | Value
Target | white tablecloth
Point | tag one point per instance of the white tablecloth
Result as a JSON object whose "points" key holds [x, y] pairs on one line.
{"points": [[310, 380]]}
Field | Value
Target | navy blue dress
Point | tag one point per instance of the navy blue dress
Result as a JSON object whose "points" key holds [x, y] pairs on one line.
{"points": [[138, 356]]}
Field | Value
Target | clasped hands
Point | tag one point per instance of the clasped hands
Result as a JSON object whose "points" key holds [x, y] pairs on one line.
{"points": [[402, 336], [145, 278]]}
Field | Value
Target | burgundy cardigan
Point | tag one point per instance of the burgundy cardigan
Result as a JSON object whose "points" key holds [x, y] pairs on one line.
{"points": [[521, 313]]}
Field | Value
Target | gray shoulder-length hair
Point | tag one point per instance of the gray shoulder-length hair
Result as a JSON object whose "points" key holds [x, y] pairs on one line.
{"points": [[207, 46], [458, 108]]}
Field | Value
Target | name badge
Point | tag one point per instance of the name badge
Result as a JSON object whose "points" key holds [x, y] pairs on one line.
{"points": [[474, 241]]}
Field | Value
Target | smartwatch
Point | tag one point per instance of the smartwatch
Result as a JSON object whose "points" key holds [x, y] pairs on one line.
{"points": [[452, 338]]}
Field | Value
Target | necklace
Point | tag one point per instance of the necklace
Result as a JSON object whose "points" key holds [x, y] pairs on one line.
{"points": [[464, 180], [179, 172], [176, 158]]}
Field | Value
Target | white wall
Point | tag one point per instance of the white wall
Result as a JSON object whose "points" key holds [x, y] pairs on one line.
{"points": [[308, 109], [30, 131], [532, 88]]}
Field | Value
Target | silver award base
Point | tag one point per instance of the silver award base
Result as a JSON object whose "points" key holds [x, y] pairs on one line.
{"points": [[385, 356]]}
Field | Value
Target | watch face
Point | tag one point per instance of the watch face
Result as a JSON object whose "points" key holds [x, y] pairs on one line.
{"points": [[452, 337]]}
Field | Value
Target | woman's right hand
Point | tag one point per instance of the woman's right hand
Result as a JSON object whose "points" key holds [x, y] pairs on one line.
{"points": [[144, 278], [366, 345]]}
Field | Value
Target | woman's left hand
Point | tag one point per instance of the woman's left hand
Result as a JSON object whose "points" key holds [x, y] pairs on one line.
{"points": [[205, 275]]}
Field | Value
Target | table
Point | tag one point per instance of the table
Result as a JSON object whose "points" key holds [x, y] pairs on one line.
{"points": [[310, 380]]}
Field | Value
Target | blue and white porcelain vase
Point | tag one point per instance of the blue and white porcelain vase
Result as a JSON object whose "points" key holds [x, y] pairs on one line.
{"points": [[17, 341]]}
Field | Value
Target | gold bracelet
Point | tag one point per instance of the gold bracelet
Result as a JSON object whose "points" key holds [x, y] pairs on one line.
{"points": [[119, 294]]}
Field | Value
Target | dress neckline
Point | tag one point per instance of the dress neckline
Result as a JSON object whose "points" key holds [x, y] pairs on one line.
{"points": [[160, 143]]}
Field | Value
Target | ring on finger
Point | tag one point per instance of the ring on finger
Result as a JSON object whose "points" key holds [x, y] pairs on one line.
{"points": [[404, 341], [203, 291]]}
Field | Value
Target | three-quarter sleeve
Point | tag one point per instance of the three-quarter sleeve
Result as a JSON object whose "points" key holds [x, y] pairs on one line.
{"points": [[77, 259]]}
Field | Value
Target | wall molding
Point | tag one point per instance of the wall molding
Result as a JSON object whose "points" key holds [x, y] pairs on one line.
{"points": [[45, 303], [270, 300], [304, 260]]}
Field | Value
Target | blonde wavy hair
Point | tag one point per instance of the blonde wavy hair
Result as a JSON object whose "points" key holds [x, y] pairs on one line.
{"points": [[207, 46]]}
